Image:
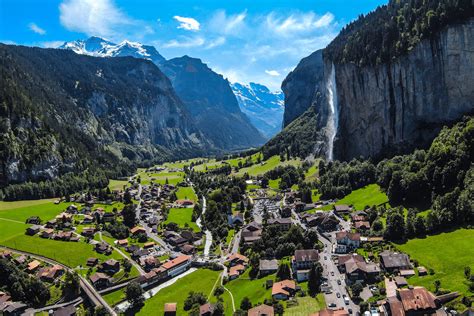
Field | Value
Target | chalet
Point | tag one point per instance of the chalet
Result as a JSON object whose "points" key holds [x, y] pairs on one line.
{"points": [[206, 309], [282, 223], [189, 235], [88, 232], [422, 271], [299, 206], [283, 290], [251, 232], [261, 310], [400, 281], [347, 241], [62, 235], [88, 219], [12, 308], [183, 203], [149, 263], [237, 258], [6, 254], [362, 225], [33, 220], [20, 260], [110, 266], [177, 265], [49, 274], [235, 220], [33, 230], [324, 221], [108, 217], [235, 271], [103, 248], [137, 230], [122, 242], [342, 209], [188, 249], [149, 245], [302, 262], [170, 309], [177, 241], [394, 261], [266, 267], [411, 302], [51, 223], [100, 280], [331, 312], [92, 262], [72, 209], [132, 248], [356, 269], [33, 266], [47, 233]]}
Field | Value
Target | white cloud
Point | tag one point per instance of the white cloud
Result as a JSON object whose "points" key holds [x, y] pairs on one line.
{"points": [[95, 17], [216, 42], [272, 73], [185, 42], [52, 44], [185, 23], [35, 28], [228, 24], [305, 22]]}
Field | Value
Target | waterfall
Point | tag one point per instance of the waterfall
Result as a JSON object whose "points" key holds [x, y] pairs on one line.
{"points": [[333, 119]]}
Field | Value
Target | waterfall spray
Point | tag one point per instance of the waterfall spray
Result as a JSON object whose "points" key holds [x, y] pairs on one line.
{"points": [[333, 119]]}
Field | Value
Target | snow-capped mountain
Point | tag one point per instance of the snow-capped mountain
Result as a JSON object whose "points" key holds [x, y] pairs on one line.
{"points": [[96, 46], [263, 107]]}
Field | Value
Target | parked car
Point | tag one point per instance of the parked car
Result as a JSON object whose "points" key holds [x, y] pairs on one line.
{"points": [[332, 305], [350, 310], [339, 282], [338, 295], [332, 273]]}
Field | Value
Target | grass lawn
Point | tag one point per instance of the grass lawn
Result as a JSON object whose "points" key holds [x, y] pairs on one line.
{"points": [[17, 204], [202, 280], [313, 172], [269, 164], [447, 254], [182, 216], [186, 193], [115, 297], [306, 305], [254, 289], [369, 195], [117, 184], [173, 177]]}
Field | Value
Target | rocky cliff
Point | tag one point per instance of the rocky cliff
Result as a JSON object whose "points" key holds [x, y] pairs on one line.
{"points": [[63, 112], [390, 107]]}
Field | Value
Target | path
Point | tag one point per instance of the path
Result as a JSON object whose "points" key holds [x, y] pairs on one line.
{"points": [[133, 262], [230, 293]]}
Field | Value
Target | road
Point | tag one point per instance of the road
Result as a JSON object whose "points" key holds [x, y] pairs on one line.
{"points": [[94, 296], [135, 264]]}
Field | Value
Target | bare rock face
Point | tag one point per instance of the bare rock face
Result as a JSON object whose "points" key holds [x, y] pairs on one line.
{"points": [[391, 108]]}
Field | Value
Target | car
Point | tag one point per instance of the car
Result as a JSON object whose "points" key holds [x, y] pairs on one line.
{"points": [[332, 305], [338, 295], [350, 310], [339, 282], [332, 273], [325, 258]]}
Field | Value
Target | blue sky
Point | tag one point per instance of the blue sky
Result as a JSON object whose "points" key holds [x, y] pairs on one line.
{"points": [[258, 40]]}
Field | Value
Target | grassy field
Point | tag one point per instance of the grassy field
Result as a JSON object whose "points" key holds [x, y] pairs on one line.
{"points": [[160, 177], [117, 184], [313, 172], [267, 165], [369, 195], [306, 305], [186, 193], [182, 216], [254, 289], [447, 254], [17, 204], [115, 297], [202, 280]]}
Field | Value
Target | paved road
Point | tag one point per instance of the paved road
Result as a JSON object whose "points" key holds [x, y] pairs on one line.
{"points": [[86, 287], [236, 242]]}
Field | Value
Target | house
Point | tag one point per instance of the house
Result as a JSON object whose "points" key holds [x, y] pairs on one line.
{"points": [[206, 309], [88, 232], [51, 223], [347, 241], [235, 271], [266, 267], [324, 221], [33, 220], [170, 309], [261, 310], [394, 261], [342, 209], [251, 233], [235, 220], [137, 230], [149, 245], [411, 302], [51, 273], [122, 242], [111, 266], [69, 310], [177, 265], [356, 269], [108, 217], [299, 206], [12, 308], [282, 223], [422, 271], [302, 262], [331, 312], [21, 259], [100, 280], [237, 258], [33, 230], [92, 262], [362, 225], [149, 263], [188, 249], [87, 219], [400, 281], [103, 248], [33, 266], [47, 233], [283, 290], [183, 203]]}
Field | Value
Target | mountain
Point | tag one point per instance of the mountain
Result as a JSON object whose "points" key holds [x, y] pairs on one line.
{"points": [[62, 112], [263, 107], [205, 94], [99, 47], [211, 102], [385, 85]]}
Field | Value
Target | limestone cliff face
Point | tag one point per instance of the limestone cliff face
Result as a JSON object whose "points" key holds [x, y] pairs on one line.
{"points": [[394, 107]]}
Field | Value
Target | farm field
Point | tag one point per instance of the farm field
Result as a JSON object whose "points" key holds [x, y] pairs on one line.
{"points": [[117, 184], [369, 195], [186, 193], [454, 251], [254, 289], [267, 165], [182, 216], [161, 177], [202, 280]]}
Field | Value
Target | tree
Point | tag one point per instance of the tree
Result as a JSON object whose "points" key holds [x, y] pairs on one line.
{"points": [[129, 215], [467, 272], [218, 309], [194, 299], [283, 272], [356, 289], [245, 304], [127, 265], [72, 285], [437, 285], [314, 279], [134, 294], [127, 197], [219, 290]]}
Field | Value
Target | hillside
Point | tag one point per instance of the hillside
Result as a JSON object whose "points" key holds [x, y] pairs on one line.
{"points": [[375, 106], [62, 112]]}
